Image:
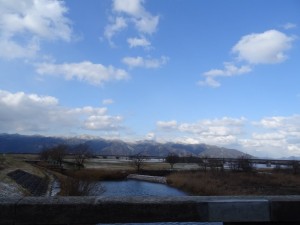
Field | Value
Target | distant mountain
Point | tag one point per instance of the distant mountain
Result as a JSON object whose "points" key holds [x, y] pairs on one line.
{"points": [[16, 143]]}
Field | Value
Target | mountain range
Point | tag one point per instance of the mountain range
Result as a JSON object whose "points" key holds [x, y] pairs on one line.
{"points": [[16, 143]]}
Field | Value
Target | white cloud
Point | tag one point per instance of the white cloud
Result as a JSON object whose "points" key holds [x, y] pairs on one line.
{"points": [[268, 47], [138, 42], [23, 23], [229, 70], [103, 122], [289, 125], [89, 72], [131, 7], [222, 131], [118, 24], [143, 20], [268, 136], [263, 48], [147, 23], [277, 136], [289, 26], [12, 50], [31, 113], [167, 125], [145, 63], [108, 101], [134, 12], [20, 112], [217, 127], [209, 81], [288, 128]]}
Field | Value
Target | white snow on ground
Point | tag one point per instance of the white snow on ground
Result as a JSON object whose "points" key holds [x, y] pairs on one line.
{"points": [[9, 190]]}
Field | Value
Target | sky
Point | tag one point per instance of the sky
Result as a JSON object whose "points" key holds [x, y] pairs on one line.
{"points": [[223, 73]]}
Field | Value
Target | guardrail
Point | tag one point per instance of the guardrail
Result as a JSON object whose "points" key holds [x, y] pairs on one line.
{"points": [[92, 210]]}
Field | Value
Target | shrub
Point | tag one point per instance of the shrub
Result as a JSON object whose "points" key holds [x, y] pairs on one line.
{"points": [[172, 159], [229, 183], [80, 187], [2, 162]]}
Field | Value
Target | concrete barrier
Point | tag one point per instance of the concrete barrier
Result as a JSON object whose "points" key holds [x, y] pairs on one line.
{"points": [[154, 179], [92, 210]]}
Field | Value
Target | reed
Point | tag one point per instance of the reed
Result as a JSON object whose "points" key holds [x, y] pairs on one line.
{"points": [[98, 174], [230, 183]]}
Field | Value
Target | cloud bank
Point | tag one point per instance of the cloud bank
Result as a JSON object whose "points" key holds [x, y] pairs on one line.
{"points": [[23, 24], [31, 113], [277, 136]]}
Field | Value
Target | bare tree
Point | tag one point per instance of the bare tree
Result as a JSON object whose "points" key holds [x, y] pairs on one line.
{"points": [[295, 166], [233, 165], [172, 159], [216, 165], [138, 161], [203, 163], [80, 187], [81, 153], [45, 154], [245, 164], [58, 153]]}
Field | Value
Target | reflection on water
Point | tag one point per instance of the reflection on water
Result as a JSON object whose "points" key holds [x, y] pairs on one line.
{"points": [[141, 188], [138, 188]]}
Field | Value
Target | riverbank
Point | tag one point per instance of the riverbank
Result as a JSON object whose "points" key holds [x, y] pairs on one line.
{"points": [[154, 179], [10, 163], [235, 183], [194, 182]]}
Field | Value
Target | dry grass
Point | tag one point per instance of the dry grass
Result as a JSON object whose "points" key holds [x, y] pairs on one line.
{"points": [[98, 174], [228, 183], [12, 162], [86, 181], [79, 187], [120, 164]]}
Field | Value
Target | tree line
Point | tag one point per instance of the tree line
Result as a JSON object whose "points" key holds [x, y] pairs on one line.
{"points": [[57, 154], [80, 153]]}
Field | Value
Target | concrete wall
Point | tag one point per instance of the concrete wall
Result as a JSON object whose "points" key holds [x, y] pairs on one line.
{"points": [[91, 210], [154, 179]]}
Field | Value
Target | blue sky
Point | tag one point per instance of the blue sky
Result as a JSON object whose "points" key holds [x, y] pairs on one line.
{"points": [[224, 73]]}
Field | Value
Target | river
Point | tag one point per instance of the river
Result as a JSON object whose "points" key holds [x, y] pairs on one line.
{"points": [[142, 188]]}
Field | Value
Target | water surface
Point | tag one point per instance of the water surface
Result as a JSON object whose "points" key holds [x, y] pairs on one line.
{"points": [[142, 188], [138, 188]]}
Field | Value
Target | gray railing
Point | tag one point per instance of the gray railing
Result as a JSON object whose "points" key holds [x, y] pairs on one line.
{"points": [[92, 210]]}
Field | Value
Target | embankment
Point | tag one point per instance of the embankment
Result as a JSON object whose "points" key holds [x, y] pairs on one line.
{"points": [[154, 179]]}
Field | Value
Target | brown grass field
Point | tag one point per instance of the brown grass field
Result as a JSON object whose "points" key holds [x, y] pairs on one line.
{"points": [[235, 183]]}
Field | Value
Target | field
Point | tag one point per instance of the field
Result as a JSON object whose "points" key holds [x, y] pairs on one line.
{"points": [[184, 176], [126, 164], [236, 183]]}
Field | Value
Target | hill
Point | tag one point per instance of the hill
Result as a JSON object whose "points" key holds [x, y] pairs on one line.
{"points": [[16, 143]]}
